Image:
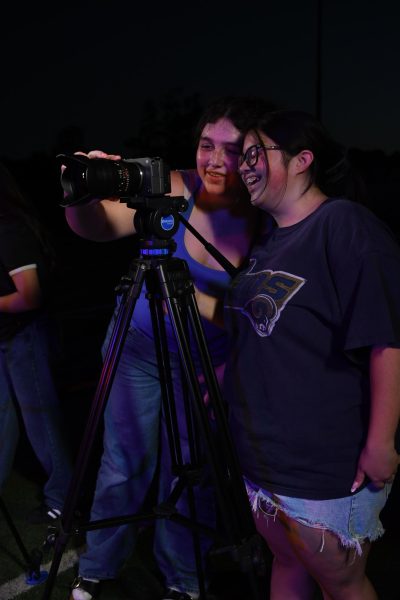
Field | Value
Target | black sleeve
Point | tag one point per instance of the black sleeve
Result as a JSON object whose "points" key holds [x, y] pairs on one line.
{"points": [[365, 260], [18, 246]]}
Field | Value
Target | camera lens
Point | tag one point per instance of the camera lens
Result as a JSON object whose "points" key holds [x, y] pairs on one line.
{"points": [[106, 178]]}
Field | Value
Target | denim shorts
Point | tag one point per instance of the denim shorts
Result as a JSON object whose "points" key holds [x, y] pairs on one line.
{"points": [[353, 519]]}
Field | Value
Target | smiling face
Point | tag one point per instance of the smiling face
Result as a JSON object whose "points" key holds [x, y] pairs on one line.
{"points": [[264, 172], [217, 156], [279, 182]]}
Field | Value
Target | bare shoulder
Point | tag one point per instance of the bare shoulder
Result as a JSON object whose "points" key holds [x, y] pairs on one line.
{"points": [[177, 182]]}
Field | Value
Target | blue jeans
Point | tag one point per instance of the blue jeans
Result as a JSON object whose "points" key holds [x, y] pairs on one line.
{"points": [[26, 378], [134, 438]]}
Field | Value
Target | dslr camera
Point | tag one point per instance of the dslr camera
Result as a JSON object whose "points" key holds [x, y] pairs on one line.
{"points": [[132, 180]]}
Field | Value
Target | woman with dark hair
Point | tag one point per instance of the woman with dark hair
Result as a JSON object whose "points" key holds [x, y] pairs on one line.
{"points": [[313, 374], [219, 210], [26, 261]]}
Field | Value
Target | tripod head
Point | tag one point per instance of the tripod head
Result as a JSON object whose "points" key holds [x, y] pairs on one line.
{"points": [[157, 216], [156, 221]]}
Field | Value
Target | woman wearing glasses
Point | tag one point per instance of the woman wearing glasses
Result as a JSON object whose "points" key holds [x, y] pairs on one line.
{"points": [[313, 376]]}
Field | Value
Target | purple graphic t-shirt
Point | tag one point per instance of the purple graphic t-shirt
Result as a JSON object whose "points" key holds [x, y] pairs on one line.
{"points": [[302, 317]]}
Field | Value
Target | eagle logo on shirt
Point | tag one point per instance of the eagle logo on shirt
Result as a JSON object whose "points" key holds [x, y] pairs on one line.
{"points": [[267, 293]]}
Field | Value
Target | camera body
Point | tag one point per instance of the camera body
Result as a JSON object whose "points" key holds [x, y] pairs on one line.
{"points": [[155, 176], [84, 179]]}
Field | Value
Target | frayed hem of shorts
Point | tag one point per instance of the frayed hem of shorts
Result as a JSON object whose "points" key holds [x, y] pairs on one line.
{"points": [[256, 497]]}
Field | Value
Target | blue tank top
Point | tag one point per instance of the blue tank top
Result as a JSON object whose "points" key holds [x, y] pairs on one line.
{"points": [[208, 280]]}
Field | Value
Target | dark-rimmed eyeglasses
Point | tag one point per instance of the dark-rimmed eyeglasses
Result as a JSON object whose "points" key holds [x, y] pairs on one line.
{"points": [[250, 157]]}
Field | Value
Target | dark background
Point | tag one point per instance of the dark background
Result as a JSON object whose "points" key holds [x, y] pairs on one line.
{"points": [[93, 64], [132, 77]]}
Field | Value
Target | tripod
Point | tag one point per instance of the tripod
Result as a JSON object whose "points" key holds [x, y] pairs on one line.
{"points": [[169, 284]]}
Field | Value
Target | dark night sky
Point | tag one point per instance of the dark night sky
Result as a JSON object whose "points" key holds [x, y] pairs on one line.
{"points": [[93, 63]]}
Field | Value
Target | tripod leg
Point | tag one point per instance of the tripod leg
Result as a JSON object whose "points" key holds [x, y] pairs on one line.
{"points": [[234, 476], [245, 543], [183, 471], [131, 291]]}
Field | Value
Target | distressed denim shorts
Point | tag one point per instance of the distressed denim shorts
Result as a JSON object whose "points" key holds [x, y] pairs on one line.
{"points": [[353, 518]]}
